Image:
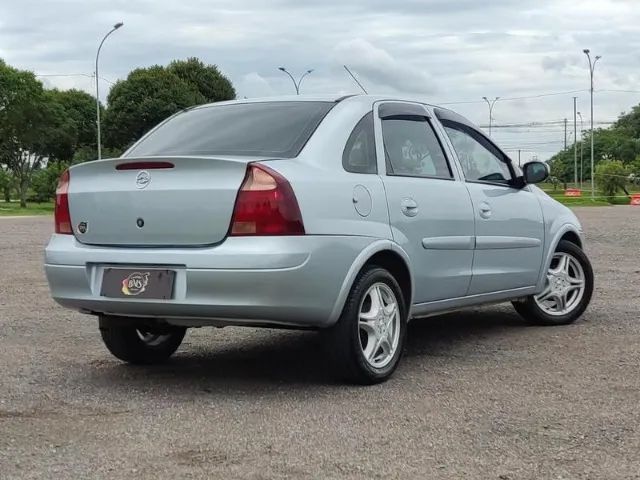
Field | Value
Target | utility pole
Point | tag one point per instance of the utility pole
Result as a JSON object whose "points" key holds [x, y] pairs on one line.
{"points": [[575, 141], [592, 67], [519, 163], [565, 133]]}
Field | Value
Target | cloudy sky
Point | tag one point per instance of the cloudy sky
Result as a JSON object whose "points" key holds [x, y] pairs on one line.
{"points": [[447, 51]]}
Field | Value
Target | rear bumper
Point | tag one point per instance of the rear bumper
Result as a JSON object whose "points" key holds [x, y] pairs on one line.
{"points": [[289, 281]]}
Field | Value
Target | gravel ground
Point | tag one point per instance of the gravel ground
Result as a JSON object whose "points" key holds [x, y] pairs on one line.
{"points": [[478, 395]]}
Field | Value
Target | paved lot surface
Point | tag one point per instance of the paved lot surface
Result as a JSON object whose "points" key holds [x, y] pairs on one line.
{"points": [[479, 394]]}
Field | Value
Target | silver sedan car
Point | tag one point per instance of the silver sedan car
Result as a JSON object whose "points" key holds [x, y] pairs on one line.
{"points": [[347, 215]]}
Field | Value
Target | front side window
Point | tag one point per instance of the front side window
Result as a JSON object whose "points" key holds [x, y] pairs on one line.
{"points": [[274, 129], [412, 148], [360, 151], [480, 161]]}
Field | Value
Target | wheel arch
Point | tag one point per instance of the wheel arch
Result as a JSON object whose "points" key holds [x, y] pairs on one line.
{"points": [[568, 232], [386, 254]]}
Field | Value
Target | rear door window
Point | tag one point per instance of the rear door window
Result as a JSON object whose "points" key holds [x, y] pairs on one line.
{"points": [[413, 149]]}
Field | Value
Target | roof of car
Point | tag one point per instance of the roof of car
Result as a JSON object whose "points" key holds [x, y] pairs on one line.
{"points": [[365, 98]]}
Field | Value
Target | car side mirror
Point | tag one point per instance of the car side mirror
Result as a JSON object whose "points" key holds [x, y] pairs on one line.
{"points": [[535, 172]]}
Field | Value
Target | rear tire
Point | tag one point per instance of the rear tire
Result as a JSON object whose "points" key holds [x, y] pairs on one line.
{"points": [[366, 344], [141, 345], [567, 290]]}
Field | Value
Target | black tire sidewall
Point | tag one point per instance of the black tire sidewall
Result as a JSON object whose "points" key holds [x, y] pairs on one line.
{"points": [[365, 372], [532, 311], [125, 344]]}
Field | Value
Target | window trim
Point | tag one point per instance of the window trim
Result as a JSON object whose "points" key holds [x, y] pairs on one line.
{"points": [[412, 117], [373, 146], [501, 156]]}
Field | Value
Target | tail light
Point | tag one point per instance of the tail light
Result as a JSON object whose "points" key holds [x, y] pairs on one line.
{"points": [[266, 205], [61, 214]]}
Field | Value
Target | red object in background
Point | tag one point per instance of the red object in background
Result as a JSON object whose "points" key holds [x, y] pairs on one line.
{"points": [[573, 192], [635, 199]]}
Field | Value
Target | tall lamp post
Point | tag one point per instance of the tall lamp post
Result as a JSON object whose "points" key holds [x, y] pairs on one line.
{"points": [[491, 103], [581, 142], [115, 27], [299, 82], [592, 67]]}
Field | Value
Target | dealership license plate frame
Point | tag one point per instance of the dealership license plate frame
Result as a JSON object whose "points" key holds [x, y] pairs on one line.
{"points": [[143, 283]]}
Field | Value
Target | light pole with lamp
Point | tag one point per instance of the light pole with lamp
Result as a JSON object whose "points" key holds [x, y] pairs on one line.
{"points": [[491, 103], [299, 82], [115, 27], [592, 67]]}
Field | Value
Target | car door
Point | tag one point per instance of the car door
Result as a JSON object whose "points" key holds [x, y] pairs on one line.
{"points": [[430, 211], [509, 226]]}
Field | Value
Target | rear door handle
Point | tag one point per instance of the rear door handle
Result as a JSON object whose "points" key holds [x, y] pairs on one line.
{"points": [[409, 207]]}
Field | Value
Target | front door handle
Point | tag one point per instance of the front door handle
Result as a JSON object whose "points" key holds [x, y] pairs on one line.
{"points": [[409, 207], [485, 210]]}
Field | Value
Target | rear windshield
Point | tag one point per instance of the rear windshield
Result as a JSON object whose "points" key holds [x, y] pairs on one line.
{"points": [[278, 129]]}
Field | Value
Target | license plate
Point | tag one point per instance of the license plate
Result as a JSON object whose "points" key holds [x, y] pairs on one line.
{"points": [[137, 283]]}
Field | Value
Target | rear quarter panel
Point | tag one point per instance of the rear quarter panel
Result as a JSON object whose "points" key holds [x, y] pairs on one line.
{"points": [[325, 191]]}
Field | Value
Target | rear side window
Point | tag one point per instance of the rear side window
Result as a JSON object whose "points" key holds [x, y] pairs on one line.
{"points": [[360, 152], [278, 129], [412, 148]]}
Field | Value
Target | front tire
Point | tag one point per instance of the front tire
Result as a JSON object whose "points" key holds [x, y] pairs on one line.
{"points": [[567, 291], [367, 341], [141, 345]]}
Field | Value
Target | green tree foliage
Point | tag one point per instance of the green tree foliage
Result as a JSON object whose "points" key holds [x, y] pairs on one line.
{"points": [[206, 79], [45, 181], [39, 126], [80, 108], [611, 177], [6, 183], [149, 95], [621, 142], [25, 121]]}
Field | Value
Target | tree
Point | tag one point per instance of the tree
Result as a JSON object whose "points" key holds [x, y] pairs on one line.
{"points": [[6, 183], [621, 141], [611, 176], [149, 95], [80, 108], [207, 79], [45, 180], [33, 126]]}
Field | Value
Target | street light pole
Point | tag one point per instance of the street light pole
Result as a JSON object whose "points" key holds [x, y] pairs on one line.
{"points": [[592, 67], [581, 142], [115, 27], [491, 103], [299, 82]]}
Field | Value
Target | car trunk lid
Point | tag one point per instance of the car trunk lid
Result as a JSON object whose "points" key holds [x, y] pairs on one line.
{"points": [[155, 201]]}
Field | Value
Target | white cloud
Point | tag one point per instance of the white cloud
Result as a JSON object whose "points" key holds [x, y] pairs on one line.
{"points": [[377, 66], [444, 50]]}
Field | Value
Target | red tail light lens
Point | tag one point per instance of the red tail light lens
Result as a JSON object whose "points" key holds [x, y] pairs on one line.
{"points": [[266, 205], [61, 214]]}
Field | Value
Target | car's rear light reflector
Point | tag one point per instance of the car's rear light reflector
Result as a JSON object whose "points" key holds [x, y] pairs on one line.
{"points": [[61, 212], [144, 165], [266, 205]]}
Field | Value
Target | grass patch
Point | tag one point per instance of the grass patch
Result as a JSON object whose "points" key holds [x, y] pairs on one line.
{"points": [[583, 202], [13, 209]]}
